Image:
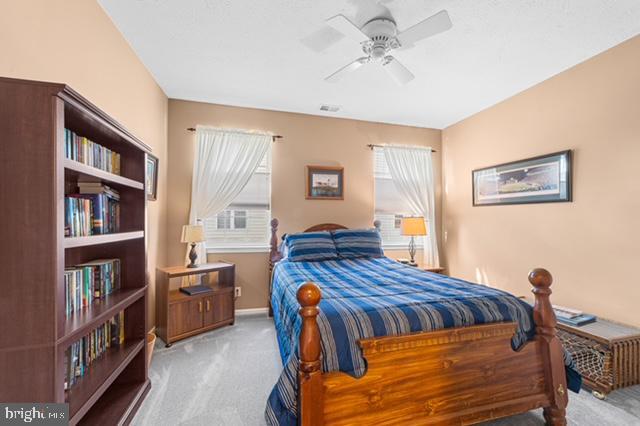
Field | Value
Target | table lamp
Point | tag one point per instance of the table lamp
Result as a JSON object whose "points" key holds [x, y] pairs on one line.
{"points": [[413, 226], [192, 234]]}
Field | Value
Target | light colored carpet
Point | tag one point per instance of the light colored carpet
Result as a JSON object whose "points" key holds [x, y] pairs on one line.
{"points": [[224, 377]]}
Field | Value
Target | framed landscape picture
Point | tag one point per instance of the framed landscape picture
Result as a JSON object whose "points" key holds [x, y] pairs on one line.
{"points": [[325, 183], [543, 179]]}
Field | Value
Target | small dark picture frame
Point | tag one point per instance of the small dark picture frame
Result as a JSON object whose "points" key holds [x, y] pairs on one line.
{"points": [[151, 177], [325, 183], [542, 179]]}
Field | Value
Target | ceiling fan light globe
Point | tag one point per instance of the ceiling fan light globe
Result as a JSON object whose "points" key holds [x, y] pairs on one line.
{"points": [[378, 52]]}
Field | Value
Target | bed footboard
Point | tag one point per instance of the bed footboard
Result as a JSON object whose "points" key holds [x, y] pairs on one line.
{"points": [[453, 376]]}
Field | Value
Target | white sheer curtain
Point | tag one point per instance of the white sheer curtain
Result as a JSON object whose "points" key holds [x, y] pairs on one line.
{"points": [[223, 163], [412, 173]]}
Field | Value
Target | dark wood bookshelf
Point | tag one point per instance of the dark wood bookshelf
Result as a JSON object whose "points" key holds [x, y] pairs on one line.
{"points": [[33, 182]]}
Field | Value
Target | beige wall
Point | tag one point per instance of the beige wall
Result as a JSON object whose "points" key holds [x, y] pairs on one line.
{"points": [[591, 246], [75, 42], [307, 140]]}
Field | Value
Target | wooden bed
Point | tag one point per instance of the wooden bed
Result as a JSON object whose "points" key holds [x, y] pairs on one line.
{"points": [[458, 376]]}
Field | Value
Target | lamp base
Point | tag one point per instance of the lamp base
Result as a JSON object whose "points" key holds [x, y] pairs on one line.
{"points": [[193, 256], [412, 251]]}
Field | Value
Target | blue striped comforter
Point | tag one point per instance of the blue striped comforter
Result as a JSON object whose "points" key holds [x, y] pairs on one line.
{"points": [[372, 297]]}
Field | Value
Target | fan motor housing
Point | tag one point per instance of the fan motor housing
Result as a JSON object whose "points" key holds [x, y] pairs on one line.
{"points": [[382, 33]]}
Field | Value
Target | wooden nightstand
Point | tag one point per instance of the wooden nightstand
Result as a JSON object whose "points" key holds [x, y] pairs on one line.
{"points": [[437, 270], [179, 315]]}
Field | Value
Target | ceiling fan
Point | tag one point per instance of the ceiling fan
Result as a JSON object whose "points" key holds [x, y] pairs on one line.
{"points": [[379, 38]]}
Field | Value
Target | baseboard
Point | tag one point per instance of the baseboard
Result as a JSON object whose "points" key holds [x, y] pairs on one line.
{"points": [[252, 311]]}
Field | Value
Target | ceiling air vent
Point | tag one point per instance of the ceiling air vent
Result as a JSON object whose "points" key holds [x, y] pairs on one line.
{"points": [[329, 108]]}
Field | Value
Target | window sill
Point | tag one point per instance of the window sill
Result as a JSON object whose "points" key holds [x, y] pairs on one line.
{"points": [[245, 249], [398, 247]]}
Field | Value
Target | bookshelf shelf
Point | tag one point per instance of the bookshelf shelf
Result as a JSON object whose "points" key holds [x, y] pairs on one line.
{"points": [[101, 375], [93, 174], [82, 322], [71, 242], [39, 180], [115, 407]]}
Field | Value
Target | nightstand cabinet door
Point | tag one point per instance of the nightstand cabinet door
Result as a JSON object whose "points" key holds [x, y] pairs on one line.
{"points": [[185, 316], [218, 307], [209, 310]]}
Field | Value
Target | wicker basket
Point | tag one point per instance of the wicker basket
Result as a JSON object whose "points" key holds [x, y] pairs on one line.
{"points": [[151, 341], [605, 362]]}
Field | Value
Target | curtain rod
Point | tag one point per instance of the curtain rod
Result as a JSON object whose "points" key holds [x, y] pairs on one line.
{"points": [[273, 138], [372, 145]]}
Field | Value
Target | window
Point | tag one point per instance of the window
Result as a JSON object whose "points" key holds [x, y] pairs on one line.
{"points": [[390, 206], [232, 219], [244, 225]]}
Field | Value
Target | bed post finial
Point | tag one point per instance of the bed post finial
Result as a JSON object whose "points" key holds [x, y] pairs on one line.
{"points": [[274, 237], [274, 256], [546, 322], [377, 224], [310, 401]]}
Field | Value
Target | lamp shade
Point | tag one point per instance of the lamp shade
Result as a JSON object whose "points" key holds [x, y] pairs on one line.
{"points": [[413, 226], [192, 234]]}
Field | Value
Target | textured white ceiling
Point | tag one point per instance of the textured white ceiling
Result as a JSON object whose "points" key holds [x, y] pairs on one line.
{"points": [[249, 53]]}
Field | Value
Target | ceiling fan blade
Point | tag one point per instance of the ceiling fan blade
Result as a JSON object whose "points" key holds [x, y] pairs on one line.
{"points": [[336, 76], [433, 25], [322, 39], [348, 28], [397, 71]]}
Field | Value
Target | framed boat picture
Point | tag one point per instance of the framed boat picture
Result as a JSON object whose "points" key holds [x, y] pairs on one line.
{"points": [[325, 183], [543, 179]]}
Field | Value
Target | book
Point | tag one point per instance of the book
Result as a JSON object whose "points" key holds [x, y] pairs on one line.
{"points": [[578, 321], [98, 188], [565, 312], [196, 289], [89, 281], [92, 214], [83, 150], [84, 352]]}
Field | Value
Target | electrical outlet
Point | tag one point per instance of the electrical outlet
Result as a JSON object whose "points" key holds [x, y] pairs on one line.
{"points": [[238, 291]]}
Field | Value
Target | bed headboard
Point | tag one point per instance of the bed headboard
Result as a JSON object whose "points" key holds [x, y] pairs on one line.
{"points": [[324, 227], [274, 253]]}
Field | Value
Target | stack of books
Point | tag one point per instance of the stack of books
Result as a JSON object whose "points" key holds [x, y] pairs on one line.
{"points": [[81, 354], [95, 210], [88, 281], [572, 317], [83, 150]]}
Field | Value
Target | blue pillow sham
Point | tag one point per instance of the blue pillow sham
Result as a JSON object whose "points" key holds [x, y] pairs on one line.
{"points": [[352, 243], [310, 246]]}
